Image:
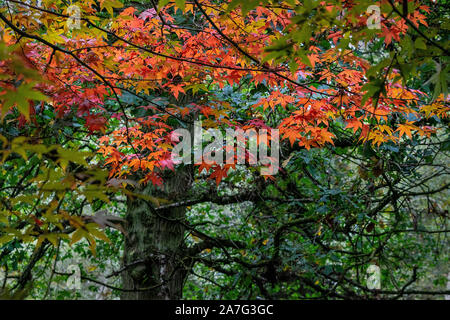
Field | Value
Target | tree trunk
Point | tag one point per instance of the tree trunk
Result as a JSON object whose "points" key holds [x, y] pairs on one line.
{"points": [[154, 245]]}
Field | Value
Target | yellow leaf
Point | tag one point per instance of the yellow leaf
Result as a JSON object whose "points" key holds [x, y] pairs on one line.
{"points": [[5, 239], [92, 268], [92, 243], [109, 5], [53, 238], [319, 232], [76, 236], [92, 228]]}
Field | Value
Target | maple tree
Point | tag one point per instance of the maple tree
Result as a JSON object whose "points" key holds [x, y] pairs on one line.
{"points": [[344, 97]]}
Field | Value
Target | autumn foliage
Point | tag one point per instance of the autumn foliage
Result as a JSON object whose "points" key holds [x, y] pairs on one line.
{"points": [[311, 89]]}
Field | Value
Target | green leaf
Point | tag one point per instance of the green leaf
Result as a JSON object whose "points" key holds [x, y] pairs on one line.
{"points": [[109, 5], [162, 3], [420, 44], [20, 97], [77, 235], [180, 4]]}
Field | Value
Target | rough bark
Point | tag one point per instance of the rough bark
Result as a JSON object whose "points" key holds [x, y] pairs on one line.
{"points": [[154, 246], [155, 240]]}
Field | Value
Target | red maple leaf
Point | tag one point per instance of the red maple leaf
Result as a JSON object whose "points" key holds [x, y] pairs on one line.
{"points": [[96, 123]]}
